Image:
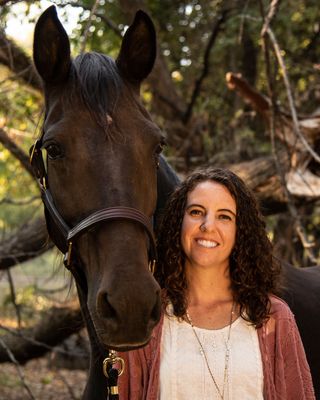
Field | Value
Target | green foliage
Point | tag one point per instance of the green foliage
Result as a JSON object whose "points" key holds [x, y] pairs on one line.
{"points": [[9, 381], [38, 283], [20, 114]]}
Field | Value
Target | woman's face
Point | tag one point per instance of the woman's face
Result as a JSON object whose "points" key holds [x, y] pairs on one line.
{"points": [[211, 206]]}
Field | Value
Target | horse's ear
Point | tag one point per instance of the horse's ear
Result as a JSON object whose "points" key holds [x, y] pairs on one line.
{"points": [[138, 49], [51, 48]]}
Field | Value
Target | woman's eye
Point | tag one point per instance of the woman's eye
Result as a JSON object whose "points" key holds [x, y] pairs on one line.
{"points": [[54, 151], [195, 213], [225, 217]]}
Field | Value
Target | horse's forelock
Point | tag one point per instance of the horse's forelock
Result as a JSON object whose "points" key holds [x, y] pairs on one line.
{"points": [[99, 83]]}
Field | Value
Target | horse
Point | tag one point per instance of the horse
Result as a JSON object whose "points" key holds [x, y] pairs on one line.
{"points": [[99, 183], [301, 291], [104, 182]]}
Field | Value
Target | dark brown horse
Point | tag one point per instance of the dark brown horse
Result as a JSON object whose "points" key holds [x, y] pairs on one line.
{"points": [[99, 185], [103, 182]]}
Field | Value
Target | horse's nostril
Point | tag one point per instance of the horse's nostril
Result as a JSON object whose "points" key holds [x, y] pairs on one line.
{"points": [[106, 310]]}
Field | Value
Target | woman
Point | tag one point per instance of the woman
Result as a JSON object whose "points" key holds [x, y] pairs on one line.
{"points": [[223, 334]]}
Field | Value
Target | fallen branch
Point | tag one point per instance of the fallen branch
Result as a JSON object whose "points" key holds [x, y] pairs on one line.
{"points": [[56, 326], [30, 240]]}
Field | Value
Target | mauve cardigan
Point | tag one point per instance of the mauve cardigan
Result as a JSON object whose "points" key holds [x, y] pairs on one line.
{"points": [[285, 368]]}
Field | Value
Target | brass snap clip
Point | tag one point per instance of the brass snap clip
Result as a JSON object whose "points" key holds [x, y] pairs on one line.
{"points": [[110, 361]]}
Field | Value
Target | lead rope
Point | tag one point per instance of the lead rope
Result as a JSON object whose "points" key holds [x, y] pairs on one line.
{"points": [[112, 374]]}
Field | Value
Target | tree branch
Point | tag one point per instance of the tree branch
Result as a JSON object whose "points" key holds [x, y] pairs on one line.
{"points": [[274, 5], [16, 151], [19, 370], [310, 126], [257, 101], [108, 22], [295, 121], [14, 298], [206, 63], [84, 38], [14, 58]]}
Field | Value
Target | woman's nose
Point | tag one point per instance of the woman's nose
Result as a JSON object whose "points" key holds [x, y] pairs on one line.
{"points": [[209, 223]]}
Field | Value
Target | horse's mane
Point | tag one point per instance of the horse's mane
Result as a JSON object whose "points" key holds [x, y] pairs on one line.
{"points": [[96, 78]]}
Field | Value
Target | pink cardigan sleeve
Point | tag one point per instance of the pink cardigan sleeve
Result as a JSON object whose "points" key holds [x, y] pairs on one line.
{"points": [[286, 371], [140, 379], [131, 382]]}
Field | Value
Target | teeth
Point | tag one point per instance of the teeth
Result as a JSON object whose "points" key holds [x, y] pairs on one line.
{"points": [[207, 243]]}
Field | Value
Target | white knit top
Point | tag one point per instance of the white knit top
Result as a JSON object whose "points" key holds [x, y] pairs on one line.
{"points": [[184, 374]]}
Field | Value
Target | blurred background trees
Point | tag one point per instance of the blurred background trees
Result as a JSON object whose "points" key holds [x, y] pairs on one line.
{"points": [[236, 84]]}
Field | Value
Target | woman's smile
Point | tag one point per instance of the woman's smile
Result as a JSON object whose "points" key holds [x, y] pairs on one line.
{"points": [[209, 244]]}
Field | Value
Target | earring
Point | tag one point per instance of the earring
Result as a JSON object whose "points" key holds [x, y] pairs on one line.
{"points": [[203, 227]]}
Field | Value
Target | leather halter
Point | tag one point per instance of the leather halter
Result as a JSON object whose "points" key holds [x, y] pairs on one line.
{"points": [[69, 234]]}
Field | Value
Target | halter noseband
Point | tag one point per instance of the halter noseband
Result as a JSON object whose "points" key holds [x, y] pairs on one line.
{"points": [[105, 214]]}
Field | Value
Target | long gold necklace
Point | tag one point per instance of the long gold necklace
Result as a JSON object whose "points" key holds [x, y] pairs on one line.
{"points": [[227, 356]]}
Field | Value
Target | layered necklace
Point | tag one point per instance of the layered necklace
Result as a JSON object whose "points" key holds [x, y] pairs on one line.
{"points": [[227, 356]]}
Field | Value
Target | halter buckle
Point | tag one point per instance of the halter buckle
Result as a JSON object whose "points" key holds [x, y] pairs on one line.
{"points": [[67, 256]]}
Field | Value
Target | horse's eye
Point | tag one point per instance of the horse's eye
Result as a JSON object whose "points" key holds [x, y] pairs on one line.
{"points": [[159, 148], [54, 151], [158, 151]]}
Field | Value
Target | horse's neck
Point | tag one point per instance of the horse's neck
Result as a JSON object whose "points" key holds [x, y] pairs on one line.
{"points": [[96, 387], [167, 182]]}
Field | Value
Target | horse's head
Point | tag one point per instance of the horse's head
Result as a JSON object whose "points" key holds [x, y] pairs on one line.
{"points": [[102, 154]]}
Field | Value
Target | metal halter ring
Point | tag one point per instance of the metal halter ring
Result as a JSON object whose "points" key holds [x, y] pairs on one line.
{"points": [[111, 360], [152, 266]]}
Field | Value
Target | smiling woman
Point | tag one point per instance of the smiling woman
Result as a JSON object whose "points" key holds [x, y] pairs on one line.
{"points": [[219, 280]]}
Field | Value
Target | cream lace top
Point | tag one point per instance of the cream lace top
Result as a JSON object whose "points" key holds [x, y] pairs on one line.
{"points": [[184, 374]]}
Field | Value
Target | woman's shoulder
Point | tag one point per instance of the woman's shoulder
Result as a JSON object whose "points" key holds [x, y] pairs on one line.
{"points": [[279, 308]]}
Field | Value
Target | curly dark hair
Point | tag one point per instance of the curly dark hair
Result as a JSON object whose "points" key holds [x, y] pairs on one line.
{"points": [[254, 272]]}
